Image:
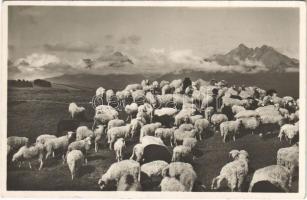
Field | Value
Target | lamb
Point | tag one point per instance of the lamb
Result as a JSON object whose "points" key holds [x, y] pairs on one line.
{"points": [[26, 153], [179, 135], [232, 175], [236, 109], [133, 87], [149, 129], [131, 110], [230, 128], [75, 111], [209, 111], [246, 113], [128, 183], [98, 135], [183, 171], [118, 132], [171, 185], [75, 160], [288, 131], [115, 123], [166, 134], [202, 127], [83, 132], [119, 169], [83, 145], [189, 142], [15, 142], [182, 153], [277, 175], [110, 96], [60, 143], [165, 111], [137, 152], [119, 146], [154, 168], [43, 138], [251, 124], [217, 119]]}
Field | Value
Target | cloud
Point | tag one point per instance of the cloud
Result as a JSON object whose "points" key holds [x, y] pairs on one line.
{"points": [[29, 14], [108, 36], [131, 39], [80, 47]]}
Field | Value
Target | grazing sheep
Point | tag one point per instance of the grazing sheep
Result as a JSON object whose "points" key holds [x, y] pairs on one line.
{"points": [[246, 113], [182, 153], [171, 185], [179, 135], [230, 128], [189, 142], [128, 183], [165, 111], [183, 171], [119, 169], [232, 175], [166, 134], [83, 132], [118, 132], [202, 127], [209, 111], [288, 131], [250, 123], [82, 145], [15, 142], [99, 136], [43, 138], [60, 143], [133, 87], [75, 160], [115, 123], [119, 146], [154, 168], [186, 127], [277, 175], [26, 153], [138, 96], [149, 129], [131, 110], [75, 111], [217, 119], [137, 152], [136, 126]]}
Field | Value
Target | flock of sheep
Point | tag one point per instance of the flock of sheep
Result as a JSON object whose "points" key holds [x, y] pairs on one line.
{"points": [[178, 114]]}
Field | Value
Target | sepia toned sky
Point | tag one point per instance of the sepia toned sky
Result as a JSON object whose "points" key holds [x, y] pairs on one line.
{"points": [[63, 36]]}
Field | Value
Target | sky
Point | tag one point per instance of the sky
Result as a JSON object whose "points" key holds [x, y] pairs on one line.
{"points": [[50, 41]]}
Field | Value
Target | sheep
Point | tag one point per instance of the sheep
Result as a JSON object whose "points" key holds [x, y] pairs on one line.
{"points": [[194, 118], [138, 96], [128, 183], [131, 110], [151, 99], [75, 111], [166, 134], [118, 132], [133, 87], [182, 153], [102, 119], [209, 111], [171, 185], [124, 96], [27, 153], [137, 152], [163, 83], [176, 83], [232, 175], [147, 140], [217, 119], [83, 132], [154, 168], [288, 131], [110, 96], [183, 116], [100, 91], [43, 138], [75, 160], [105, 109], [15, 142], [272, 119], [149, 129], [236, 109], [183, 171], [179, 135], [189, 142], [186, 127], [82, 145], [270, 109], [250, 123], [277, 175], [201, 126], [207, 101], [165, 111], [98, 135], [60, 143], [246, 113], [115, 123], [166, 89], [233, 154], [227, 101], [145, 111], [230, 128], [165, 100], [136, 126], [119, 169], [119, 146]]}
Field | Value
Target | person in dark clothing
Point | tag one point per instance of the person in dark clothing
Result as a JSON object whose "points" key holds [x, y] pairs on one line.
{"points": [[186, 83]]}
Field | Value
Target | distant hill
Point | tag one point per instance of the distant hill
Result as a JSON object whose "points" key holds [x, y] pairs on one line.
{"points": [[251, 58]]}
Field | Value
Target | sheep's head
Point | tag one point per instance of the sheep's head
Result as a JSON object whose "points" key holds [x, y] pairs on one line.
{"points": [[218, 183], [233, 154], [103, 182]]}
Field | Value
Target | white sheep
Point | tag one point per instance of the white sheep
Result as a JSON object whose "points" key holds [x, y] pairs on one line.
{"points": [[164, 100], [209, 111], [176, 83], [138, 96], [151, 99], [236, 109], [123, 96], [165, 111], [154, 168], [74, 110], [83, 132], [82, 145], [163, 82], [227, 101], [128, 183], [166, 134], [131, 110], [189, 142], [99, 135], [149, 129], [182, 153], [119, 169], [105, 109], [179, 135], [27, 153], [275, 174], [183, 171], [136, 126], [110, 94], [202, 127], [217, 119], [115, 123], [289, 131], [137, 152], [194, 118], [119, 146], [100, 91], [250, 123], [246, 113], [186, 127], [230, 128], [43, 138], [75, 160], [272, 119], [133, 87], [118, 132], [148, 140], [171, 185], [15, 142], [102, 119]]}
